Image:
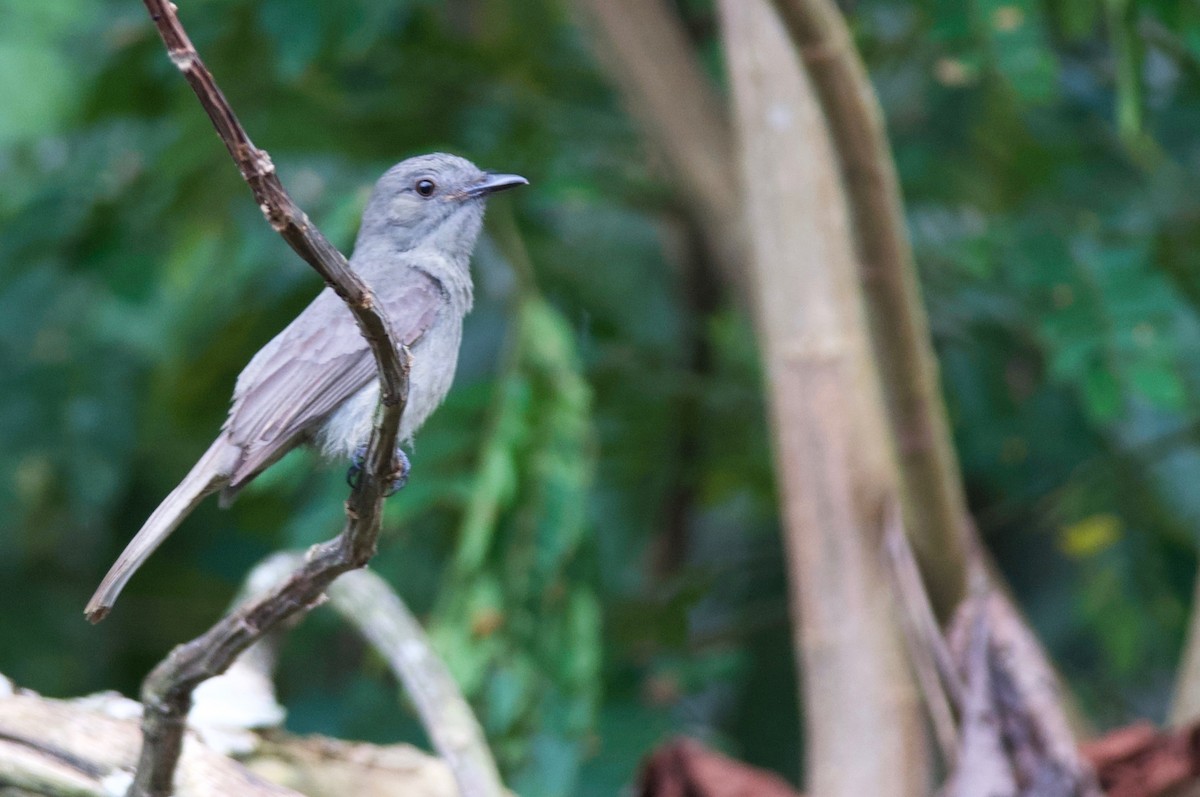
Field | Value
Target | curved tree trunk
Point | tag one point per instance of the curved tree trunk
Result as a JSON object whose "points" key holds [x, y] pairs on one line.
{"points": [[836, 467], [647, 52], [935, 508]]}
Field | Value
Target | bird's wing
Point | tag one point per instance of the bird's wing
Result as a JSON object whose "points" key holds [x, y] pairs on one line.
{"points": [[312, 366]]}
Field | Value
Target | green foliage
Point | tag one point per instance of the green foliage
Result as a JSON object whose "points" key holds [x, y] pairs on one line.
{"points": [[518, 619], [1055, 233]]}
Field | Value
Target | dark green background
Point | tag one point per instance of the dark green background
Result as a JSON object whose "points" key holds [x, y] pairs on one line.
{"points": [[590, 529]]}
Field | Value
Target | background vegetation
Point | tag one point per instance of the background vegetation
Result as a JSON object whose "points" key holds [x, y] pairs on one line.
{"points": [[591, 527]]}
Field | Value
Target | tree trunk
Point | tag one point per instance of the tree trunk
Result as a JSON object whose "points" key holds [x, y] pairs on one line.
{"points": [[836, 468], [935, 508], [1185, 704]]}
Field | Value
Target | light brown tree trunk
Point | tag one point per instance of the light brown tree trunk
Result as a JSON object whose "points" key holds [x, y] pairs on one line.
{"points": [[835, 465], [935, 508], [647, 52], [1185, 704]]}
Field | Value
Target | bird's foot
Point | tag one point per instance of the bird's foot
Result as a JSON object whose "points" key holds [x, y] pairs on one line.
{"points": [[399, 476]]}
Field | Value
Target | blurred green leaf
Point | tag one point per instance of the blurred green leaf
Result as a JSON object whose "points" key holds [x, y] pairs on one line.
{"points": [[35, 91], [1016, 30]]}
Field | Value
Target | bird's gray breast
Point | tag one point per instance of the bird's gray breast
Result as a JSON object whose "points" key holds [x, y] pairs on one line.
{"points": [[434, 360]]}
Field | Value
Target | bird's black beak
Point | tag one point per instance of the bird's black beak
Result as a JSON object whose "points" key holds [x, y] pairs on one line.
{"points": [[491, 183]]}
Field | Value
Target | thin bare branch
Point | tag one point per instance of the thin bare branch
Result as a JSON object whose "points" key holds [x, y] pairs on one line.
{"points": [[367, 601], [931, 660], [283, 214], [167, 691]]}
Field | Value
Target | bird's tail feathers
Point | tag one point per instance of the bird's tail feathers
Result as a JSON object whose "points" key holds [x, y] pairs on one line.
{"points": [[207, 476]]}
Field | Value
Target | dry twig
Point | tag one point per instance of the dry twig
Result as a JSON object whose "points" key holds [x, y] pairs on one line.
{"points": [[167, 691], [932, 663], [368, 602]]}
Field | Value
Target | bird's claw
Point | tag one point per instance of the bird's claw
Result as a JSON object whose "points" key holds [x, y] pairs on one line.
{"points": [[399, 475]]}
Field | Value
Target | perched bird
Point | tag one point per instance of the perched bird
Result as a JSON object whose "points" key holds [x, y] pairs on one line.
{"points": [[316, 382]]}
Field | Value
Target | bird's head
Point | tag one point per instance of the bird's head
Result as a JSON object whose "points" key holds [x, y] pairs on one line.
{"points": [[434, 201]]}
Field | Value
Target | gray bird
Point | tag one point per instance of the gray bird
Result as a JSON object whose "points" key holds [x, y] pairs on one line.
{"points": [[316, 382]]}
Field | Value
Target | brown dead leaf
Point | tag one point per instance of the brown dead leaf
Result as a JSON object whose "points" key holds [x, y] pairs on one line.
{"points": [[686, 768], [1139, 761]]}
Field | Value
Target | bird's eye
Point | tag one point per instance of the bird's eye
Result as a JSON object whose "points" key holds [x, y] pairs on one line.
{"points": [[426, 187]]}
